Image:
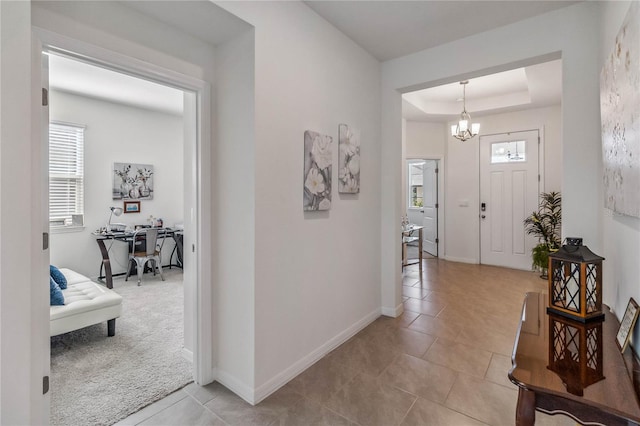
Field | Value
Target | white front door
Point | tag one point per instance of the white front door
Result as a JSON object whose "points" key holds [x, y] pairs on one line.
{"points": [[509, 187], [430, 207]]}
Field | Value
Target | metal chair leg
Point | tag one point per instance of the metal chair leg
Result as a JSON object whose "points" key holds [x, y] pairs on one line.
{"points": [[140, 264], [126, 278], [158, 263]]}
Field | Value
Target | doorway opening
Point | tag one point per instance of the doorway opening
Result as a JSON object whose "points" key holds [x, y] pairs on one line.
{"points": [[422, 200], [178, 157], [528, 97]]}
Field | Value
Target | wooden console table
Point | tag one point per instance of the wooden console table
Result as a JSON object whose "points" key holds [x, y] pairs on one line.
{"points": [[587, 358]]}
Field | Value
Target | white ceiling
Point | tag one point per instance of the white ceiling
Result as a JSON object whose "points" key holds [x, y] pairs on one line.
{"points": [[522, 88], [88, 80], [199, 18], [390, 29], [387, 29]]}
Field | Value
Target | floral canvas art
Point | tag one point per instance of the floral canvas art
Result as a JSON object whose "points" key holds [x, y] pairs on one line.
{"points": [[620, 117], [348, 160], [132, 181], [318, 161]]}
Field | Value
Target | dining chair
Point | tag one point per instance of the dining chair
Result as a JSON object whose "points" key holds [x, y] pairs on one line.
{"points": [[152, 251]]}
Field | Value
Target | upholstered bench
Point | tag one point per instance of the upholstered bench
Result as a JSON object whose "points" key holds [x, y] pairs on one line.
{"points": [[86, 303]]}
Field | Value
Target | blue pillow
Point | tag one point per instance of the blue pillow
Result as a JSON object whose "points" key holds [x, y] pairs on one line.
{"points": [[58, 277], [55, 294]]}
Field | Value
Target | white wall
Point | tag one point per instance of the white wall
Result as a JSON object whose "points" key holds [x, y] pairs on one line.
{"points": [[567, 32], [124, 134], [234, 219], [113, 26], [621, 234], [425, 140], [316, 279]]}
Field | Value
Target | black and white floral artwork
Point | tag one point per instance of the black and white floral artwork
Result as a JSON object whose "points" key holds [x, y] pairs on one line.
{"points": [[132, 181], [620, 117], [318, 160], [348, 160]]}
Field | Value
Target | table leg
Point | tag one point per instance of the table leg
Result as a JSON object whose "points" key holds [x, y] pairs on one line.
{"points": [[526, 408], [106, 262], [420, 249], [404, 254]]}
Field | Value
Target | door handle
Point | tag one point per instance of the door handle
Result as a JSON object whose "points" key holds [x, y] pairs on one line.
{"points": [[422, 211]]}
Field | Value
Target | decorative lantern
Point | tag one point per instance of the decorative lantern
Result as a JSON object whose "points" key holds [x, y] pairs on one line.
{"points": [[575, 282], [575, 352]]}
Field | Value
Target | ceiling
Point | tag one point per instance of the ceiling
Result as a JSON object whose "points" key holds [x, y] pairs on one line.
{"points": [[200, 19], [387, 29], [79, 78], [390, 29], [535, 86]]}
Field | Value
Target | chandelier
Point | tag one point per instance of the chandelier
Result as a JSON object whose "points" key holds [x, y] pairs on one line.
{"points": [[461, 130]]}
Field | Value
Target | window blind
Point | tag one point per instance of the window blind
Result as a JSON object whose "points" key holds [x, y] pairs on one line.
{"points": [[66, 172]]}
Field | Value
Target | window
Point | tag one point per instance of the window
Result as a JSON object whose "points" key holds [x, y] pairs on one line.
{"points": [[415, 181], [509, 152], [66, 175]]}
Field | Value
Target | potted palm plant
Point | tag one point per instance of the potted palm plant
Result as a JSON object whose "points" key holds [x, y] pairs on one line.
{"points": [[545, 225]]}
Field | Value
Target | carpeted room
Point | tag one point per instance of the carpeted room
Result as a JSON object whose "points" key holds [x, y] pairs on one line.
{"points": [[97, 379]]}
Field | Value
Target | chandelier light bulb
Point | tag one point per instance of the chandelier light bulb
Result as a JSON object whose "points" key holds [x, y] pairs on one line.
{"points": [[461, 131]]}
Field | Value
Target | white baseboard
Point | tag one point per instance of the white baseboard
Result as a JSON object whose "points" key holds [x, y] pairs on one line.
{"points": [[461, 259], [393, 312], [286, 375], [234, 385], [187, 354]]}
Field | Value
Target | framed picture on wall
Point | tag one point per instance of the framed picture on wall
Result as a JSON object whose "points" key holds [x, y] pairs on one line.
{"points": [[132, 206], [318, 162], [132, 181], [626, 325]]}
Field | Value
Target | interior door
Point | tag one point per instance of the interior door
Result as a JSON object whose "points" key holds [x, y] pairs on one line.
{"points": [[430, 207], [509, 187]]}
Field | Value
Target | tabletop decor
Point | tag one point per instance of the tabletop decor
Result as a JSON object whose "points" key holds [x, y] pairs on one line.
{"points": [[576, 352], [318, 160], [348, 160], [626, 325], [575, 282], [132, 181]]}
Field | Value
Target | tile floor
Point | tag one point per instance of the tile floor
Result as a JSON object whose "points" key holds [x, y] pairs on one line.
{"points": [[443, 362]]}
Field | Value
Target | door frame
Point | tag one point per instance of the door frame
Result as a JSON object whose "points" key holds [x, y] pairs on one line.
{"points": [[441, 197], [541, 163], [200, 305]]}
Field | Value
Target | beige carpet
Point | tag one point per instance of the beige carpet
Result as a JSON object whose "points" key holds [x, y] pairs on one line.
{"points": [[98, 380]]}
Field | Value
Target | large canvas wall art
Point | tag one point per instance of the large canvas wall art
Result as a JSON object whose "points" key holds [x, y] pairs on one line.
{"points": [[620, 116], [318, 160], [132, 181], [348, 160]]}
